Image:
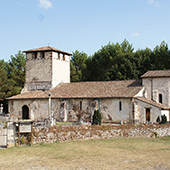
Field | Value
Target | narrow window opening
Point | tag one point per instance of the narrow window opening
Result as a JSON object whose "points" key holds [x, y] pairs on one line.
{"points": [[59, 56], [64, 57], [80, 105], [42, 55], [120, 106], [160, 98], [35, 55]]}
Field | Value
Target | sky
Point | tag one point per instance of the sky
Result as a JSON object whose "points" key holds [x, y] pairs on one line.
{"points": [[84, 25]]}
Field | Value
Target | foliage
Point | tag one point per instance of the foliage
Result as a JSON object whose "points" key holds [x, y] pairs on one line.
{"points": [[5, 124], [158, 119], [96, 118], [78, 66], [118, 62], [12, 77], [3, 79], [16, 74], [22, 140], [163, 119]]}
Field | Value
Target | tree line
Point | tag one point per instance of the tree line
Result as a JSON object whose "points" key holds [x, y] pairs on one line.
{"points": [[12, 77], [117, 61]]}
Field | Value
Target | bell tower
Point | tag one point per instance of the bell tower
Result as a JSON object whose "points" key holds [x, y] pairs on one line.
{"points": [[46, 67]]}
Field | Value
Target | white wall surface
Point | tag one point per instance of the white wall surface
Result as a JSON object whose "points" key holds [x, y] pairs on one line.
{"points": [[61, 69], [160, 86], [166, 113]]}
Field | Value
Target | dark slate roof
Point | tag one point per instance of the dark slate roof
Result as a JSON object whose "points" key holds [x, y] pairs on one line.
{"points": [[47, 48], [154, 103], [156, 73], [100, 89]]}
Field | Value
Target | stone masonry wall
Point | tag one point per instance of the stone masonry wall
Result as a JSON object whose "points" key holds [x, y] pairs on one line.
{"points": [[83, 132]]}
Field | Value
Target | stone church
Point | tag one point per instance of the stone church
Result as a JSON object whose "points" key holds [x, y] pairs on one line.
{"points": [[48, 92]]}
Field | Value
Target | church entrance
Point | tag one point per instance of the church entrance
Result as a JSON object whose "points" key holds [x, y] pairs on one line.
{"points": [[148, 112], [25, 112]]}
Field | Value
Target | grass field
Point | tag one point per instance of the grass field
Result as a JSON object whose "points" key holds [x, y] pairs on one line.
{"points": [[90, 154]]}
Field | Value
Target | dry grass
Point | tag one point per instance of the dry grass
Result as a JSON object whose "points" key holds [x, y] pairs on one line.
{"points": [[90, 154]]}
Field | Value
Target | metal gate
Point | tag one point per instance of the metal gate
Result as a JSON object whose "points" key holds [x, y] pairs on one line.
{"points": [[3, 135]]}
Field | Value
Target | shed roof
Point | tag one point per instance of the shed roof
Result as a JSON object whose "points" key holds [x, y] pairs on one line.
{"points": [[156, 73], [47, 48], [154, 103], [100, 89]]}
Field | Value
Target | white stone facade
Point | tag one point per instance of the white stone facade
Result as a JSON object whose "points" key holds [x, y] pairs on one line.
{"points": [[156, 87], [70, 109], [140, 112]]}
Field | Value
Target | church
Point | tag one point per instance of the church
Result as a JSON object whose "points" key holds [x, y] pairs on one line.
{"points": [[48, 93]]}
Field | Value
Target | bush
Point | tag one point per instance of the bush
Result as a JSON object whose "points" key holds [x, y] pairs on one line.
{"points": [[96, 118], [158, 119], [163, 119]]}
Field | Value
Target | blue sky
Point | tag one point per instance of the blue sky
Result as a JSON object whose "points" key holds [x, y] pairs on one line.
{"points": [[83, 25]]}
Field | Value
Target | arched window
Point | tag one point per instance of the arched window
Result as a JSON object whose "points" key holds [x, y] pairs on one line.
{"points": [[120, 106], [160, 98], [25, 112]]}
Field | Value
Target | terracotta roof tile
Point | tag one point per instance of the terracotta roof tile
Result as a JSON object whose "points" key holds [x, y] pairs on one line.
{"points": [[156, 73], [101, 89], [27, 95], [153, 103], [47, 48]]}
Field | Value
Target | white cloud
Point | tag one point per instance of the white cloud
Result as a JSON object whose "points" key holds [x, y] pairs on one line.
{"points": [[46, 4], [155, 3], [150, 1], [135, 34]]}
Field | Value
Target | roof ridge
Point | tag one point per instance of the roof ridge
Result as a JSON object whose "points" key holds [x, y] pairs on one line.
{"points": [[101, 81], [46, 48], [156, 73], [152, 101]]}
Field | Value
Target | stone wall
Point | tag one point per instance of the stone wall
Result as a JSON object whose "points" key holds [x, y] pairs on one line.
{"points": [[38, 72], [83, 132], [69, 109], [140, 111], [156, 86], [10, 130]]}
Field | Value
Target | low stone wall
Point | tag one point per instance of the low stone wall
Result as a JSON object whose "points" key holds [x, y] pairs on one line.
{"points": [[55, 133], [10, 131]]}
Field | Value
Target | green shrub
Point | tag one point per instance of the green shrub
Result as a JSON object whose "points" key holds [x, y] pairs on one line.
{"points": [[163, 119], [158, 119], [22, 140], [97, 118]]}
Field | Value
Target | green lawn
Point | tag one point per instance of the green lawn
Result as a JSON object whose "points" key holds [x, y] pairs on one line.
{"points": [[63, 123]]}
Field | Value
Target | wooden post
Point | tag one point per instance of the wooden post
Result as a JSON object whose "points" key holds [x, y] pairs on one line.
{"points": [[18, 133], [31, 133]]}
